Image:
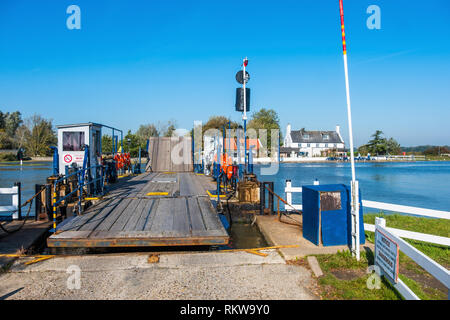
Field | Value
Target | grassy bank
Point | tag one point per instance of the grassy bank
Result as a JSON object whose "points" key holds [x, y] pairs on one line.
{"points": [[346, 278]]}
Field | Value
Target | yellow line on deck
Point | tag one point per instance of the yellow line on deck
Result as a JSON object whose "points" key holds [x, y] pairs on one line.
{"points": [[215, 195], [158, 194]]}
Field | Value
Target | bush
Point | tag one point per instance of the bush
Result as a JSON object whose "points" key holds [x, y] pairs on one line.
{"points": [[8, 157]]}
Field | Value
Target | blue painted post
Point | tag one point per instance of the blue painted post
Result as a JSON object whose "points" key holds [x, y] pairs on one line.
{"points": [[113, 144], [139, 160], [55, 161]]}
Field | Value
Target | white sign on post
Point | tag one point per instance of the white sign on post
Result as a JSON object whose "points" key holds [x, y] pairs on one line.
{"points": [[386, 255]]}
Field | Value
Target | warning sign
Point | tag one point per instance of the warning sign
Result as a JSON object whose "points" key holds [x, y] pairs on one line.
{"points": [[67, 158], [386, 255]]}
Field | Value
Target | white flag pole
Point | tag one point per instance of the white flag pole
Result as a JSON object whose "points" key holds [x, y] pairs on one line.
{"points": [[354, 183]]}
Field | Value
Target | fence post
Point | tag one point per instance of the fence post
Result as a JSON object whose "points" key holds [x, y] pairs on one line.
{"points": [[271, 196], [262, 197], [380, 222], [288, 193], [54, 208], [18, 200]]}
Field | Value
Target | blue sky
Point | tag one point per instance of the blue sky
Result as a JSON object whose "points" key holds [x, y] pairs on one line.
{"points": [[136, 62]]}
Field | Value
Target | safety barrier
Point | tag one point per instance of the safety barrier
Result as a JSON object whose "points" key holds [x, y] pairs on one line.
{"points": [[15, 207], [81, 183], [431, 266]]}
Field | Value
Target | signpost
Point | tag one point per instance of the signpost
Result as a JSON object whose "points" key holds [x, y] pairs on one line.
{"points": [[386, 255], [243, 77]]}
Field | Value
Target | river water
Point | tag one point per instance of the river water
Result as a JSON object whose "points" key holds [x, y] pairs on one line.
{"points": [[29, 174], [419, 184]]}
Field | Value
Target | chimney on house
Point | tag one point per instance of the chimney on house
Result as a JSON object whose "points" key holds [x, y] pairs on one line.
{"points": [[338, 130], [288, 129]]}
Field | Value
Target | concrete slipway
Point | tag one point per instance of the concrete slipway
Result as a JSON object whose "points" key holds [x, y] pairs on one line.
{"points": [[210, 275]]}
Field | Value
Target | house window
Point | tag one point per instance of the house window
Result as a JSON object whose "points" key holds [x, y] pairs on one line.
{"points": [[73, 141], [330, 145], [306, 136], [326, 137]]}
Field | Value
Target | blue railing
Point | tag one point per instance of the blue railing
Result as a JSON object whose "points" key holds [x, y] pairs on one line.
{"points": [[81, 183]]}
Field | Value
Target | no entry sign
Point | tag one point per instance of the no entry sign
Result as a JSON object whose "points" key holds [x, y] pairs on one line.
{"points": [[67, 158]]}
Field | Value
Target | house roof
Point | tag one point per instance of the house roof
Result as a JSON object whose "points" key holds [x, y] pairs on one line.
{"points": [[303, 136]]}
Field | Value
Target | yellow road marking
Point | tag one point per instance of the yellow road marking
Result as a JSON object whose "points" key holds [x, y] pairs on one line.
{"points": [[157, 193]]}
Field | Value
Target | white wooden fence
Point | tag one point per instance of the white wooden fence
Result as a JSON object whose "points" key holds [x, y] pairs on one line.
{"points": [[15, 194], [438, 271], [435, 269]]}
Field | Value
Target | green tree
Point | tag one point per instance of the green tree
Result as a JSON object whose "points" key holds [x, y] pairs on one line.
{"points": [[39, 136], [218, 122], [393, 147], [379, 145], [106, 144], [131, 144], [9, 123], [265, 119]]}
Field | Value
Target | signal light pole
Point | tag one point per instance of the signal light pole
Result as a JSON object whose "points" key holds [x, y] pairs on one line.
{"points": [[244, 116]]}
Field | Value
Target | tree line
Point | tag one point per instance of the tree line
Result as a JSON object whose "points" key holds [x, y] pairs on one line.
{"points": [[34, 134], [379, 145], [133, 141]]}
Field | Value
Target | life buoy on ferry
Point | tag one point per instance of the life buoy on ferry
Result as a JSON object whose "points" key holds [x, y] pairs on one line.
{"points": [[119, 161]]}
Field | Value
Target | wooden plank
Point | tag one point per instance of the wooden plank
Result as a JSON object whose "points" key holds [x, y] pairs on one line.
{"points": [[212, 221], [92, 213], [413, 235], [71, 235], [189, 185], [148, 215], [407, 209], [93, 219], [130, 210], [132, 223], [163, 220], [181, 219], [109, 220], [195, 214]]}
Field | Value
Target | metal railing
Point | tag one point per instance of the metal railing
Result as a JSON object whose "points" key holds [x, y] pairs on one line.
{"points": [[81, 183]]}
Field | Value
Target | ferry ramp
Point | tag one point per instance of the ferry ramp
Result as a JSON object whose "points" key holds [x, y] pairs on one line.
{"points": [[152, 209], [170, 154]]}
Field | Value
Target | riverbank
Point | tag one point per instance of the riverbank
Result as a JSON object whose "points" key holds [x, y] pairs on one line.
{"points": [[345, 278]]}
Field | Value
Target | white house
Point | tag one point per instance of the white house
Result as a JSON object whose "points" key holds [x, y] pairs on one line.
{"points": [[302, 143]]}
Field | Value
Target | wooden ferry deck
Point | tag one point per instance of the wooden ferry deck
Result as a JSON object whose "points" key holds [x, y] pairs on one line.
{"points": [[152, 209]]}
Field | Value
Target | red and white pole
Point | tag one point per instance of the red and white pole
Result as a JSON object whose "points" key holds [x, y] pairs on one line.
{"points": [[354, 183]]}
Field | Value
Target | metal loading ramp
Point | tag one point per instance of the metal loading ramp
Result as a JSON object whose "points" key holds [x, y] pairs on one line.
{"points": [[152, 209], [172, 154]]}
